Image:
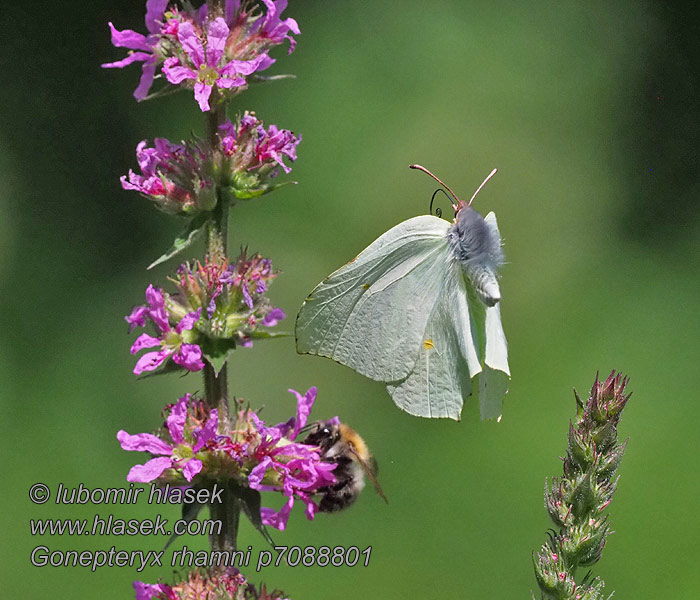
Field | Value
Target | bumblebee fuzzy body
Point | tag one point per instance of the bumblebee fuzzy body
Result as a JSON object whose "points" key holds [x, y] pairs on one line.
{"points": [[341, 445]]}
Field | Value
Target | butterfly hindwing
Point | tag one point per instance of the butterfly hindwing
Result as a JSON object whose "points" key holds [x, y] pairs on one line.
{"points": [[371, 313], [495, 378], [448, 356]]}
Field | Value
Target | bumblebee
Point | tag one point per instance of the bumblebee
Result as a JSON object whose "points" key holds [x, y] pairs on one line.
{"points": [[343, 446]]}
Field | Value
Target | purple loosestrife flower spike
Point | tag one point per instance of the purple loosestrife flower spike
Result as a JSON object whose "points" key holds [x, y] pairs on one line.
{"points": [[183, 178]]}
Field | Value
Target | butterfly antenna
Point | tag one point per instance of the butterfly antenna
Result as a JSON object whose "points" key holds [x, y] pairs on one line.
{"points": [[491, 174], [456, 198]]}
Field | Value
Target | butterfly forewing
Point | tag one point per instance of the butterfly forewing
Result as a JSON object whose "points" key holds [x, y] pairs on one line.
{"points": [[370, 314]]}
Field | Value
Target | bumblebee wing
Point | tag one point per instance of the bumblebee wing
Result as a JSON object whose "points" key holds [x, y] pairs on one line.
{"points": [[370, 470], [371, 314]]}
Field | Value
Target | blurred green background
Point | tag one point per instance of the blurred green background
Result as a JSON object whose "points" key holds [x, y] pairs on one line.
{"points": [[591, 113]]}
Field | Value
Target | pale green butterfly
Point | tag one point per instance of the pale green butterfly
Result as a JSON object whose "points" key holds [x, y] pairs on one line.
{"points": [[419, 309]]}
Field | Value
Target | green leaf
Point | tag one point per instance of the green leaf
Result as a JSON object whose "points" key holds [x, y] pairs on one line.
{"points": [[216, 351], [186, 238], [190, 510], [249, 500], [166, 368], [247, 194], [263, 335]]}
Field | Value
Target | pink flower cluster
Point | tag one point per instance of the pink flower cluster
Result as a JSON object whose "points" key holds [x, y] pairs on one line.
{"points": [[261, 457], [233, 296], [175, 176], [220, 584], [251, 147], [182, 178], [204, 53], [214, 301]]}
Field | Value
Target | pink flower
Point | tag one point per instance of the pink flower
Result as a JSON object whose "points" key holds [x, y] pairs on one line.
{"points": [[297, 467], [180, 455], [274, 28], [276, 143], [148, 591], [207, 68], [145, 46], [172, 342]]}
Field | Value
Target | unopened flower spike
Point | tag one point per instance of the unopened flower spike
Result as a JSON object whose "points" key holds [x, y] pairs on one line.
{"points": [[204, 54], [576, 500]]}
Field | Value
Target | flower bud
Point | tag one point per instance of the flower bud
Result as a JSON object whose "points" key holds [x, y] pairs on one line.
{"points": [[583, 544], [581, 496], [551, 572]]}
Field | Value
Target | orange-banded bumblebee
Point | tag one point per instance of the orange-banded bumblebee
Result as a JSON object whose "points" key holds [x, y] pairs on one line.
{"points": [[343, 446]]}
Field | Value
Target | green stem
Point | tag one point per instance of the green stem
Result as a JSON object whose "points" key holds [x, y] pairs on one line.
{"points": [[228, 513], [216, 386]]}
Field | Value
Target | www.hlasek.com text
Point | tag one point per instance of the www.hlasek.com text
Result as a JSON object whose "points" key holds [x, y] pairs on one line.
{"points": [[109, 525]]}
